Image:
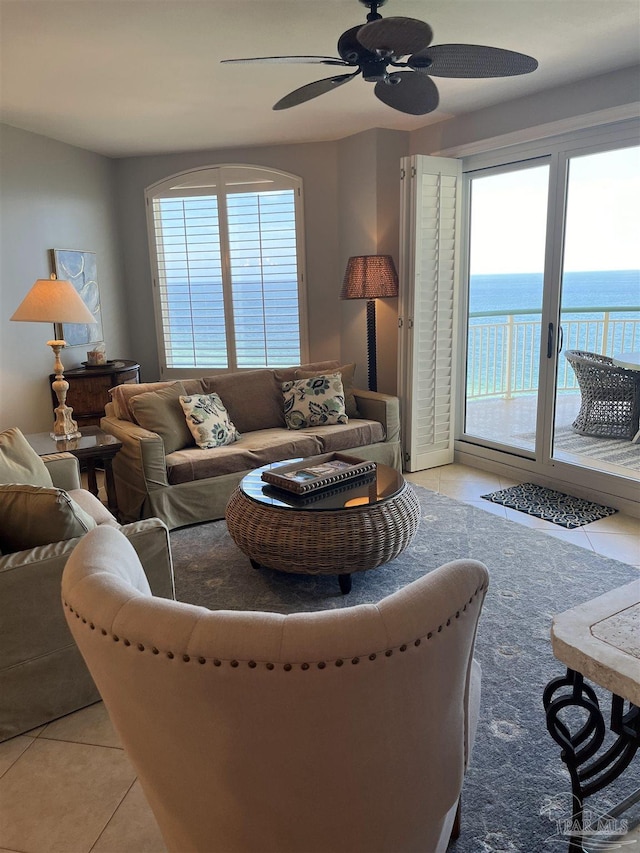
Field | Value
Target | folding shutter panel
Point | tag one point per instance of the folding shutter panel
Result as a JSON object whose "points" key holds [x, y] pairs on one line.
{"points": [[430, 226]]}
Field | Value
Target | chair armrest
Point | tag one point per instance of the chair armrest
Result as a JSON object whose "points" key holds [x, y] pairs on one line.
{"points": [[31, 619], [64, 469], [150, 538], [380, 407]]}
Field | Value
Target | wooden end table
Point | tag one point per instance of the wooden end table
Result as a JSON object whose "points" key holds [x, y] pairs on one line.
{"points": [[93, 448]]}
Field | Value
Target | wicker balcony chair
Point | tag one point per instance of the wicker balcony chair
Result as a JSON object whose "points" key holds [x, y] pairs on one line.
{"points": [[610, 404]]}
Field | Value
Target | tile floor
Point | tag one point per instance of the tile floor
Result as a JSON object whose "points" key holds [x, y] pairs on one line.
{"points": [[67, 787]]}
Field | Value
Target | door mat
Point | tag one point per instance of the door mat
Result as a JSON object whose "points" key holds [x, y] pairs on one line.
{"points": [[565, 510]]}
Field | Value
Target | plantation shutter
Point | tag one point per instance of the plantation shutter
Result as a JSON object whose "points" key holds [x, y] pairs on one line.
{"points": [[264, 278], [226, 247], [430, 226], [192, 316]]}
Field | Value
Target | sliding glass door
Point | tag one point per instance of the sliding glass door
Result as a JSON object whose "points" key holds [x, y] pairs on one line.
{"points": [[552, 266], [599, 313], [508, 217]]}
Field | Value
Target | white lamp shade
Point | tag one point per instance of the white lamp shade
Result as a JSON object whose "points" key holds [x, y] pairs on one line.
{"points": [[53, 300]]}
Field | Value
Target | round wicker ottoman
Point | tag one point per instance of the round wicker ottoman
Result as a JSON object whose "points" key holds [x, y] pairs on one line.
{"points": [[363, 528]]}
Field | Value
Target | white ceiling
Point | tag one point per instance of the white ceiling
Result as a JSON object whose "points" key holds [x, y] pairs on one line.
{"points": [[127, 77]]}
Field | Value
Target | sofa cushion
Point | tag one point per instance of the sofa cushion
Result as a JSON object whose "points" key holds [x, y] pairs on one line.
{"points": [[357, 433], [19, 463], [252, 450], [161, 412], [314, 401], [208, 420], [346, 372], [251, 397], [122, 395], [35, 515]]}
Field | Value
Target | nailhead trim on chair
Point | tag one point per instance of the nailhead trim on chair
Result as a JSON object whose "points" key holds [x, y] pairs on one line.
{"points": [[287, 667]]}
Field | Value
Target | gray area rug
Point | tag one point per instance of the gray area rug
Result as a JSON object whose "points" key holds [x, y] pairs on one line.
{"points": [[516, 780]]}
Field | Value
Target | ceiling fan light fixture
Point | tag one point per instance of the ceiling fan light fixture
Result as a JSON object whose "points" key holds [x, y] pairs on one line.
{"points": [[374, 72]]}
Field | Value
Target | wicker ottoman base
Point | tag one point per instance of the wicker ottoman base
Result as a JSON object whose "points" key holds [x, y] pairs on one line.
{"points": [[325, 542]]}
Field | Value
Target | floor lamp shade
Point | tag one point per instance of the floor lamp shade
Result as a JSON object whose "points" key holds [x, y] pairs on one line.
{"points": [[370, 277], [56, 301]]}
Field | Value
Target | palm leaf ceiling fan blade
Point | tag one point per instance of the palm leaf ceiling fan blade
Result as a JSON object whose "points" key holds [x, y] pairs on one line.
{"points": [[409, 94], [395, 36], [372, 47], [312, 90], [471, 60], [313, 60]]}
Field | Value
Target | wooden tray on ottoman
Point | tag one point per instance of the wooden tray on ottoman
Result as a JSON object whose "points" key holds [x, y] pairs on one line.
{"points": [[309, 475]]}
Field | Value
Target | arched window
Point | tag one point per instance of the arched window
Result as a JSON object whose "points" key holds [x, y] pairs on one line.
{"points": [[227, 258]]}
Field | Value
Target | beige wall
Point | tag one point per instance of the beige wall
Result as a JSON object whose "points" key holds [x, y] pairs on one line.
{"points": [[545, 113], [314, 163], [369, 207], [53, 196], [343, 183]]}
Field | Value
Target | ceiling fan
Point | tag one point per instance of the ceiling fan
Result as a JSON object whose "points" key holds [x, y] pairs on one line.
{"points": [[372, 47]]}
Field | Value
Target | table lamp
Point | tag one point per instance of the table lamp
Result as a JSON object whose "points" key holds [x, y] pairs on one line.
{"points": [[56, 301], [370, 277]]}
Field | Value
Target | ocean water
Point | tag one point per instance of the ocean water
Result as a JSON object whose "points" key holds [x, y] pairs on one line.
{"points": [[523, 291], [493, 298]]}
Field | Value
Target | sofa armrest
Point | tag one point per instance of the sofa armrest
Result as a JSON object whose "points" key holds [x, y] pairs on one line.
{"points": [[140, 447], [139, 467], [64, 469], [385, 408]]}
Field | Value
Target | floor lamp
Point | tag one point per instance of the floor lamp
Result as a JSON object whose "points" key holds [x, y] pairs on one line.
{"points": [[370, 277], [56, 301]]}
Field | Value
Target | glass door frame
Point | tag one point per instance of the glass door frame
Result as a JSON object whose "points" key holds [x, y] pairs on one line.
{"points": [[468, 175], [559, 151]]}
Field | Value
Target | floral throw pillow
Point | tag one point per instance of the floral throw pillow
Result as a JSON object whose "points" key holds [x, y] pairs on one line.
{"points": [[316, 401], [208, 420]]}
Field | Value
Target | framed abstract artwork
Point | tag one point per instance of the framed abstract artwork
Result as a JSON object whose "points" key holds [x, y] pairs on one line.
{"points": [[80, 269]]}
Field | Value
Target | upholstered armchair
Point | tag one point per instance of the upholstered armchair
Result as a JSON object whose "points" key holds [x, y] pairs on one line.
{"points": [[610, 396], [43, 514], [346, 730]]}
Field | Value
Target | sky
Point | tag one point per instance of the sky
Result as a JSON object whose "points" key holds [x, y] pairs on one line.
{"points": [[508, 220]]}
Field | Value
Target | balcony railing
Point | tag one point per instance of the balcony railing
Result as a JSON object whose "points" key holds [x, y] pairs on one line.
{"points": [[503, 355]]}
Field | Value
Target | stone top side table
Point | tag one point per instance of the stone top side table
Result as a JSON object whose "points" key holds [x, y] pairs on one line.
{"points": [[599, 641]]}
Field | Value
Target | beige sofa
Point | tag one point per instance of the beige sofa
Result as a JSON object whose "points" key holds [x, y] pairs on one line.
{"points": [[42, 674], [159, 473]]}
